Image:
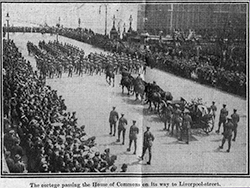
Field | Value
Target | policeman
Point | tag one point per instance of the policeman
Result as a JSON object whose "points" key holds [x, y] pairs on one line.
{"points": [[227, 133], [122, 128], [186, 125], [223, 118], [113, 118], [213, 108], [235, 119], [133, 131], [148, 139]]}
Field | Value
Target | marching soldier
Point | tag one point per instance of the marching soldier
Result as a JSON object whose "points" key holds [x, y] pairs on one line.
{"points": [[134, 130], [223, 118], [213, 108], [113, 118], [235, 119], [148, 139], [186, 125], [122, 128], [227, 133]]}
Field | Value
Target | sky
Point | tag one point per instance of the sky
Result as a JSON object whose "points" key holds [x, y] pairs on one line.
{"points": [[92, 15]]}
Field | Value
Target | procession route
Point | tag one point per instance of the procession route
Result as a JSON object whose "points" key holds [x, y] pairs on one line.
{"points": [[92, 99]]}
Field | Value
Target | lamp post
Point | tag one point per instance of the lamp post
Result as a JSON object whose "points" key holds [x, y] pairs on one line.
{"points": [[58, 26], [8, 19], [106, 12], [130, 23]]}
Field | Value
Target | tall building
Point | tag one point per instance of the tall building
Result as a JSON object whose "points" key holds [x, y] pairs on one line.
{"points": [[154, 18]]}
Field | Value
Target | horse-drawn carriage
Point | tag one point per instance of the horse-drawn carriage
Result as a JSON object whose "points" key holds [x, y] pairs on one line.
{"points": [[202, 116]]}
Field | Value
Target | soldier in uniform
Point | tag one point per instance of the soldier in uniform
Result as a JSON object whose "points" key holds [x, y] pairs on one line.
{"points": [[186, 125], [133, 131], [113, 118], [235, 119], [227, 133], [122, 128], [167, 114], [176, 119], [213, 108], [148, 139], [223, 118]]}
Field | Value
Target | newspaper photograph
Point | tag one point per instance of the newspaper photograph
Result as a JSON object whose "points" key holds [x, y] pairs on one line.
{"points": [[124, 94]]}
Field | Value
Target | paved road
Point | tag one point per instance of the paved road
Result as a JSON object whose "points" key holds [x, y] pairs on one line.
{"points": [[92, 98]]}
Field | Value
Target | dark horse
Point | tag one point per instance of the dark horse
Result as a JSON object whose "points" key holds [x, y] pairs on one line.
{"points": [[156, 95], [127, 81], [110, 75], [139, 88]]}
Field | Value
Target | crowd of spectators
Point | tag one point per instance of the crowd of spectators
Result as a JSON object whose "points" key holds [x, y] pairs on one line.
{"points": [[39, 134]]}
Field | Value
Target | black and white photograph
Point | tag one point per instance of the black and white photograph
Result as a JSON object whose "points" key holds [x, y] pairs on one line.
{"points": [[124, 88]]}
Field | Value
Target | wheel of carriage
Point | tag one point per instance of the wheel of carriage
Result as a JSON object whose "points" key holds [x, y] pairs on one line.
{"points": [[209, 125]]}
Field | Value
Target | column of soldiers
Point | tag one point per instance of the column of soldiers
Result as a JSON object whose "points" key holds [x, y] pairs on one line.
{"points": [[148, 137]]}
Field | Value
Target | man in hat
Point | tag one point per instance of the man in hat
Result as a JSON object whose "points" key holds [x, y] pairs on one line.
{"points": [[213, 108], [113, 118], [227, 133], [235, 119], [133, 131], [223, 118], [148, 139], [122, 128], [186, 125]]}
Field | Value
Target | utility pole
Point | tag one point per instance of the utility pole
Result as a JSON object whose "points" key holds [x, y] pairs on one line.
{"points": [[8, 32], [106, 13]]}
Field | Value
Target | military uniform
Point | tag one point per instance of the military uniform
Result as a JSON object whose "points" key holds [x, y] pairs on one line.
{"points": [[113, 118], [122, 128], [148, 139], [235, 119], [167, 114], [176, 120], [227, 134], [133, 131], [186, 125], [223, 118], [214, 109]]}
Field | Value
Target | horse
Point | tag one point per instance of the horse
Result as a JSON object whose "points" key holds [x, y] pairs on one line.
{"points": [[110, 76], [139, 88], [127, 81], [153, 96]]}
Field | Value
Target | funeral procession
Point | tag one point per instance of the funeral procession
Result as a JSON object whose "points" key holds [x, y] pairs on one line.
{"points": [[124, 88]]}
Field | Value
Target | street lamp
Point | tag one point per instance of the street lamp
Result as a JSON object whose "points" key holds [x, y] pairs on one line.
{"points": [[8, 19], [106, 12], [130, 23]]}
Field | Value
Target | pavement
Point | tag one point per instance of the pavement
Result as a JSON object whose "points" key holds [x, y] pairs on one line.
{"points": [[92, 99]]}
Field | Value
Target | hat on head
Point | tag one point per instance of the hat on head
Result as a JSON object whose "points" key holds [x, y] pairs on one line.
{"points": [[11, 131], [235, 110], [229, 118], [122, 114]]}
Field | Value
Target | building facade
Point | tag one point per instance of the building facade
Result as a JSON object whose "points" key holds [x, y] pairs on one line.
{"points": [[165, 17]]}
